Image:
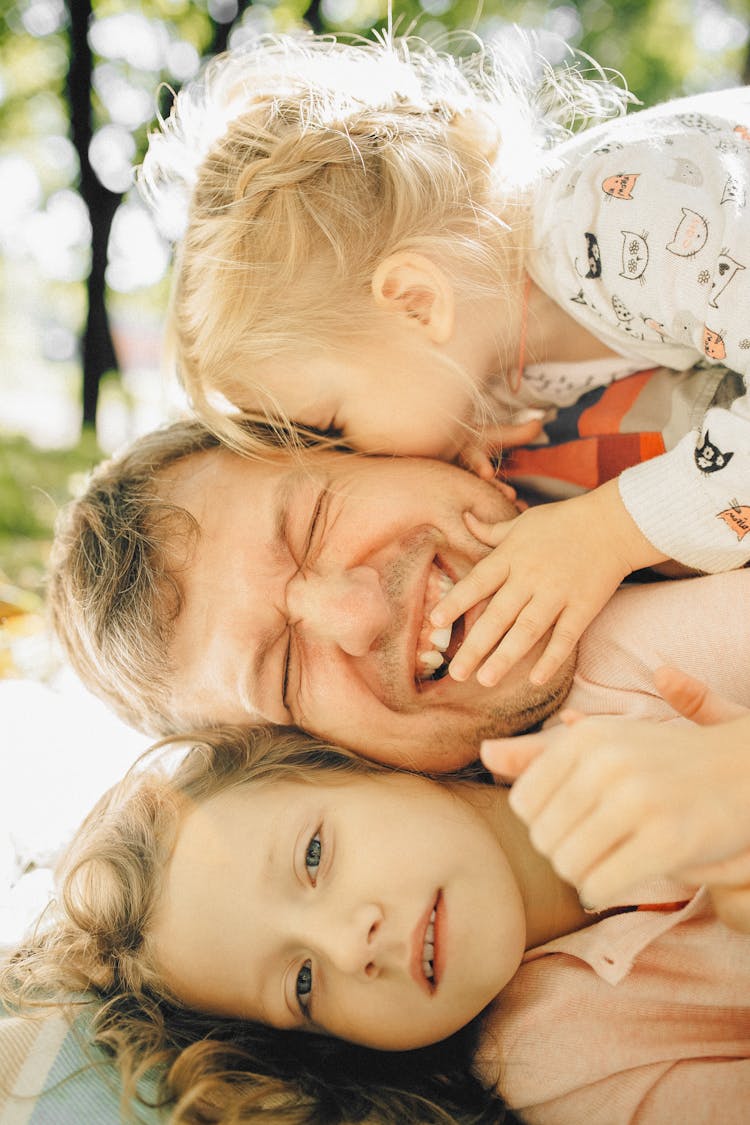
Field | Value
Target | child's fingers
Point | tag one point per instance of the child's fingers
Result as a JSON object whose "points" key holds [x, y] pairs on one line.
{"points": [[506, 758], [570, 716], [497, 619], [652, 849], [499, 437], [732, 904], [519, 636], [544, 776], [568, 630], [569, 818], [491, 534], [477, 460], [658, 845], [693, 699], [590, 855], [488, 575], [505, 489], [732, 871], [514, 619]]}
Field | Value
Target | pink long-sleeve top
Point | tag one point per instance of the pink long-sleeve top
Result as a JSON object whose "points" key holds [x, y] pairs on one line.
{"points": [[643, 1018]]}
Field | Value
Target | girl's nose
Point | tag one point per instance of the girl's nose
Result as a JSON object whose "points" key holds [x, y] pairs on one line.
{"points": [[351, 942], [348, 607]]}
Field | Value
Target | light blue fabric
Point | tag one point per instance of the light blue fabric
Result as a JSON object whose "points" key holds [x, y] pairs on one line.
{"points": [[51, 1074]]}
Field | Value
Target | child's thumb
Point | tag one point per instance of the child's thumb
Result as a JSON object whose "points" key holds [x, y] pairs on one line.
{"points": [[491, 534], [507, 758], [693, 699]]}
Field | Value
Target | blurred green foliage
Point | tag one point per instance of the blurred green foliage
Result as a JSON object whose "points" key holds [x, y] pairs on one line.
{"points": [[34, 484], [662, 48]]}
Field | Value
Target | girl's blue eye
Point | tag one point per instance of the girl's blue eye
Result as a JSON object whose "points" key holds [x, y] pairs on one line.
{"points": [[312, 856], [304, 983]]}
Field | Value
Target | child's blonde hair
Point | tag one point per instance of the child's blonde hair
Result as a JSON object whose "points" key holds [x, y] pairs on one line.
{"points": [[92, 950], [308, 161]]}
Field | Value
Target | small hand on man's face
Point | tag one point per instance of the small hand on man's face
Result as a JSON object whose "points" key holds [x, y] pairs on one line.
{"points": [[307, 598]]}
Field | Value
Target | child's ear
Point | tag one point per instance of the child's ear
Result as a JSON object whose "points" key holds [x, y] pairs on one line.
{"points": [[415, 287]]}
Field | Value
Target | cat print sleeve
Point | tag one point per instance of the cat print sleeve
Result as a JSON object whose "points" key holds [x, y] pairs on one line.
{"points": [[642, 232], [693, 503]]}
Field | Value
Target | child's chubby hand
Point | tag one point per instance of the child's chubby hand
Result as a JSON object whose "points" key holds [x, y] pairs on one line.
{"points": [[552, 568], [612, 801]]}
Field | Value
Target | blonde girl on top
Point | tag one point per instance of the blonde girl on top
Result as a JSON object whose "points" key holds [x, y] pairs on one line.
{"points": [[407, 250]]}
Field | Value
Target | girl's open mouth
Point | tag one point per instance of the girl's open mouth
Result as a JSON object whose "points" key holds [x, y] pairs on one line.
{"points": [[424, 954]]}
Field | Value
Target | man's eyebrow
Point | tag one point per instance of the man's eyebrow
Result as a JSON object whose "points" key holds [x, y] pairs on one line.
{"points": [[288, 486]]}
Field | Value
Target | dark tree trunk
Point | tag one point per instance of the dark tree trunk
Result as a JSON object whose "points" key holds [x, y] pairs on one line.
{"points": [[98, 353], [312, 16]]}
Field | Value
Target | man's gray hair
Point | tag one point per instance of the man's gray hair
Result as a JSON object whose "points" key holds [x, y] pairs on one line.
{"points": [[112, 599]]}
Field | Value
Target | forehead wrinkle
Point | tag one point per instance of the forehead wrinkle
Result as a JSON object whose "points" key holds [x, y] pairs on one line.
{"points": [[190, 573], [278, 548]]}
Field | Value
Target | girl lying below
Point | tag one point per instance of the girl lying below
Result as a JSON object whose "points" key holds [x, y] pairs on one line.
{"points": [[245, 909]]}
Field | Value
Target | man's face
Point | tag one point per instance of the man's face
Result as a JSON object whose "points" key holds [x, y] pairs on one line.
{"points": [[307, 596]]}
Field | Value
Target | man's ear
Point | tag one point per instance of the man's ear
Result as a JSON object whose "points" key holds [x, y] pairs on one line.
{"points": [[417, 288]]}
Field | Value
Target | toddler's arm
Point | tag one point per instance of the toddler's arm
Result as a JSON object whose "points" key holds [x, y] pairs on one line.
{"points": [[611, 802], [553, 568]]}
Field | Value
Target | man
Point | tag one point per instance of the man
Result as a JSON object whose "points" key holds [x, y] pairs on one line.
{"points": [[192, 586]]}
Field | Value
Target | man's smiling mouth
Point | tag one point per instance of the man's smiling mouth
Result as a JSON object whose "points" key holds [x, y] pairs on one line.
{"points": [[436, 647]]}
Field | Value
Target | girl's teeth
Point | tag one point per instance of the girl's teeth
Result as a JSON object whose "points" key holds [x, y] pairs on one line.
{"points": [[428, 953]]}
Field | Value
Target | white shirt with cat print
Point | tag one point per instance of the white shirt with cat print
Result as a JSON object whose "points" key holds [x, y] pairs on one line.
{"points": [[642, 233]]}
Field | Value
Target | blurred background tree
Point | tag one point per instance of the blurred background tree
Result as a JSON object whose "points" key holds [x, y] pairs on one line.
{"points": [[83, 270], [84, 278]]}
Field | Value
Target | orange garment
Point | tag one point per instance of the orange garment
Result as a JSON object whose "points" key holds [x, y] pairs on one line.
{"points": [[593, 440]]}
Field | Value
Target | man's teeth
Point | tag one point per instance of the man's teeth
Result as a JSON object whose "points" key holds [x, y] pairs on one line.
{"points": [[441, 638], [428, 952], [433, 642], [432, 658]]}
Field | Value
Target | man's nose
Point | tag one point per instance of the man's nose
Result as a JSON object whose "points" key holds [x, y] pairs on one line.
{"points": [[348, 607]]}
